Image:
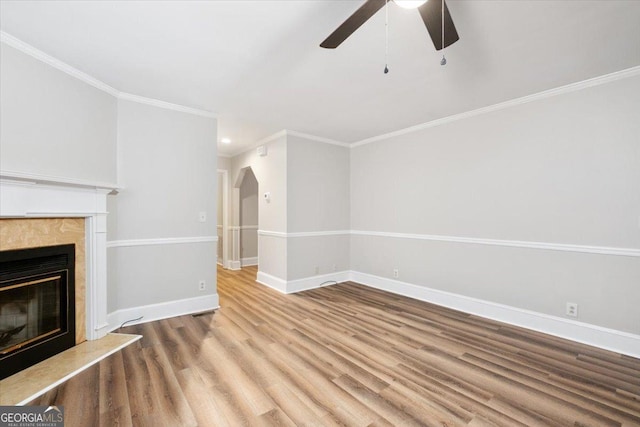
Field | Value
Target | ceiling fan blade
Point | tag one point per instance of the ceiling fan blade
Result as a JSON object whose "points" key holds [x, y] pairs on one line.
{"points": [[359, 17], [431, 13]]}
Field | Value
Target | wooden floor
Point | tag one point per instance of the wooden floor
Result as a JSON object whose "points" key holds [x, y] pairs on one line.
{"points": [[30, 383], [347, 355]]}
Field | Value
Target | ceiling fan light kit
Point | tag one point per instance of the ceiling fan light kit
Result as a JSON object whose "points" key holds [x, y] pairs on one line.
{"points": [[435, 15], [410, 4]]}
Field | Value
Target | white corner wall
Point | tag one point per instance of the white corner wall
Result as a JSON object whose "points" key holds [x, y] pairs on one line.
{"points": [[318, 210], [54, 125], [308, 179], [271, 173], [160, 250], [456, 207]]}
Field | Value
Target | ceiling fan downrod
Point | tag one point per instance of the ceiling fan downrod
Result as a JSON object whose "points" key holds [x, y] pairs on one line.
{"points": [[443, 61], [386, 37]]}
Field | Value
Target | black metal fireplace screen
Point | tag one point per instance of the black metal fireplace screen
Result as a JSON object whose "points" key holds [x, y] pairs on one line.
{"points": [[37, 305]]}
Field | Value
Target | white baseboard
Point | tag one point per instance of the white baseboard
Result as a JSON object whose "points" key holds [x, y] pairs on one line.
{"points": [[273, 282], [597, 336], [293, 286], [162, 310], [246, 262], [319, 281], [235, 265]]}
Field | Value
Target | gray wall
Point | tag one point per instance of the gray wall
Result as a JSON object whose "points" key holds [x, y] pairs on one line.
{"points": [[54, 124], [564, 169], [271, 173], [309, 185], [561, 170], [319, 199], [249, 216], [224, 163], [317, 185], [167, 171]]}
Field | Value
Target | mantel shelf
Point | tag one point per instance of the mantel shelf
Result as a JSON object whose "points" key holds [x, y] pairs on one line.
{"points": [[34, 179]]}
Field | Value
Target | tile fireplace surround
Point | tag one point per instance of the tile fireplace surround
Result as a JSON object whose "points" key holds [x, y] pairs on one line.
{"points": [[30, 196]]}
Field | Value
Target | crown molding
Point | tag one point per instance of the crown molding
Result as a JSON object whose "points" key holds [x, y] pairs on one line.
{"points": [[270, 138], [317, 138], [283, 134], [573, 87], [68, 69], [166, 105], [56, 63], [26, 48]]}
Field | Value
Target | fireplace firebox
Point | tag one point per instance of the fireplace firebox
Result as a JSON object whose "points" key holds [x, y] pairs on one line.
{"points": [[37, 305]]}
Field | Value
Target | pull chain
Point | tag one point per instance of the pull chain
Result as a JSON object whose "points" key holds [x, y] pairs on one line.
{"points": [[443, 61], [386, 36]]}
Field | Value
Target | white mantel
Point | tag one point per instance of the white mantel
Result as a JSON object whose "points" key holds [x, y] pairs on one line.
{"points": [[33, 196]]}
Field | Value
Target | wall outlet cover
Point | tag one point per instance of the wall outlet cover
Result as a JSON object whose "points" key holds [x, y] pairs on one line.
{"points": [[572, 309]]}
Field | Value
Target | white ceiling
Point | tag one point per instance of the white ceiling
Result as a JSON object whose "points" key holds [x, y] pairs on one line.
{"points": [[258, 66]]}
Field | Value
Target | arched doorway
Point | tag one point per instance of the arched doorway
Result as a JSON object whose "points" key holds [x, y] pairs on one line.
{"points": [[245, 230]]}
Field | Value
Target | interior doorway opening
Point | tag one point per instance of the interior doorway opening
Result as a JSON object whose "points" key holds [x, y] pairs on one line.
{"points": [[245, 233], [222, 218]]}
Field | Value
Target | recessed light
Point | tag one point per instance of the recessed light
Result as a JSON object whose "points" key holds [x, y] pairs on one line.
{"points": [[226, 140]]}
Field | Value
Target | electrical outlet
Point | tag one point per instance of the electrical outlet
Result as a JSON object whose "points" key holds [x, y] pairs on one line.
{"points": [[572, 309], [202, 285], [396, 273]]}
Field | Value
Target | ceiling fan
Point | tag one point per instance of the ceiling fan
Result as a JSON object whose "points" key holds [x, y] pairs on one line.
{"points": [[433, 12]]}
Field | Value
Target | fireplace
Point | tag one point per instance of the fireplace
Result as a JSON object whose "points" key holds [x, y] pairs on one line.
{"points": [[38, 211], [37, 305]]}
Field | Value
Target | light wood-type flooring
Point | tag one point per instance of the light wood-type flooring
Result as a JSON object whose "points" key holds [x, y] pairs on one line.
{"points": [[347, 355]]}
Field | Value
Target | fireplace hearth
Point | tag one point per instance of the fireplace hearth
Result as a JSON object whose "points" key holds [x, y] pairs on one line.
{"points": [[37, 305]]}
